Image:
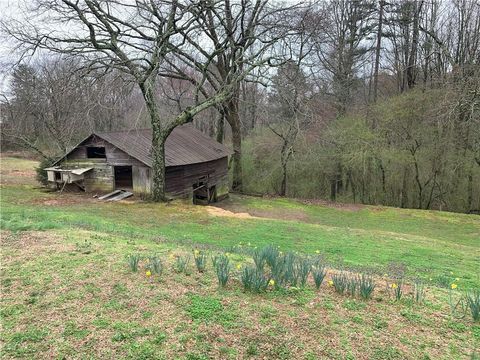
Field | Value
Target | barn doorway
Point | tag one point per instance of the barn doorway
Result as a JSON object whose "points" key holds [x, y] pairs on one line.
{"points": [[203, 194], [123, 177]]}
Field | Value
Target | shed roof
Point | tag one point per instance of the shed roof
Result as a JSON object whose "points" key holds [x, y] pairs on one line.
{"points": [[185, 145]]}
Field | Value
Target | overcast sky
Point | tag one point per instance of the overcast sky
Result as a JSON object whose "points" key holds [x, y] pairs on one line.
{"points": [[8, 8]]}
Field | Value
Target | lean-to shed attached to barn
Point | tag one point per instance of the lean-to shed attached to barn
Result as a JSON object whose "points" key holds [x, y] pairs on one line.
{"points": [[196, 165]]}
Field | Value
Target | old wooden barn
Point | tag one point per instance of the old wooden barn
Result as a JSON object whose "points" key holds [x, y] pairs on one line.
{"points": [[196, 165]]}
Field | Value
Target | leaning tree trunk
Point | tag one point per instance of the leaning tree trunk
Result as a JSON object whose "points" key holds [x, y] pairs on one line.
{"points": [[284, 161]]}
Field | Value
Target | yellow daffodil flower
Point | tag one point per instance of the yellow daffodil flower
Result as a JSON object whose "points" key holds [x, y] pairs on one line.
{"points": [[271, 282], [393, 286], [148, 273], [239, 266], [454, 286], [330, 282]]}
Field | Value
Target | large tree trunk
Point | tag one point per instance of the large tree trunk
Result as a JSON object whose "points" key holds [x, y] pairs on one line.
{"points": [[233, 119], [237, 154], [159, 136], [220, 126], [412, 60], [158, 168]]}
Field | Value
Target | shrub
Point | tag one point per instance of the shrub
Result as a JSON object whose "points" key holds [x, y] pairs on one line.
{"points": [[181, 264], [340, 281], [133, 260], [221, 264], [155, 265], [41, 175], [200, 260], [473, 302], [318, 272], [366, 286], [254, 280]]}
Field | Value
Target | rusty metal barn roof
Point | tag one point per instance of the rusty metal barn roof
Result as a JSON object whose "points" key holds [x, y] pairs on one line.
{"points": [[185, 145]]}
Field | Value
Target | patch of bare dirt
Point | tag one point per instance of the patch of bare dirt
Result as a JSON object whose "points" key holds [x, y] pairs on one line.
{"points": [[216, 211]]}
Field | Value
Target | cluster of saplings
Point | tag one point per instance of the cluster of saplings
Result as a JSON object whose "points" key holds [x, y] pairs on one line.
{"points": [[274, 269]]}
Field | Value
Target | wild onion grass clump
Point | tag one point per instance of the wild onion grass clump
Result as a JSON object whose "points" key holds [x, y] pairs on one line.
{"points": [[366, 286], [319, 272], [340, 282], [472, 298], [254, 280], [221, 264], [155, 265], [181, 264], [200, 260], [133, 260]]}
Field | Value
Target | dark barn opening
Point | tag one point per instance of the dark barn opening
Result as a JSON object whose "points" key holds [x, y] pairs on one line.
{"points": [[123, 177], [96, 152], [203, 194]]}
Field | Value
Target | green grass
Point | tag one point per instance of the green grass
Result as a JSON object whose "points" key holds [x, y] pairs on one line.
{"points": [[60, 301], [431, 244]]}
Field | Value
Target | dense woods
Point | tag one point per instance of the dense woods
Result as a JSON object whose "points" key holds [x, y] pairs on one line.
{"points": [[363, 101]]}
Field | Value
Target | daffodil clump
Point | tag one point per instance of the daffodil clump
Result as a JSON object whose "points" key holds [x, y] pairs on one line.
{"points": [[133, 260], [340, 281], [366, 286], [254, 280], [181, 263], [155, 265], [221, 264], [200, 259], [319, 271]]}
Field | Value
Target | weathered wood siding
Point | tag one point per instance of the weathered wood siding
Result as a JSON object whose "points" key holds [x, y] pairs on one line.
{"points": [[102, 178], [180, 179], [142, 180], [99, 179], [114, 155]]}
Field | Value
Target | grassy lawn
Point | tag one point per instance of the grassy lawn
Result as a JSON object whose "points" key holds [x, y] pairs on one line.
{"points": [[67, 291]]}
